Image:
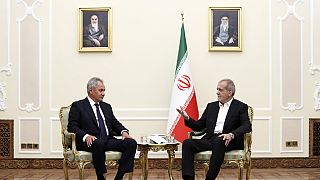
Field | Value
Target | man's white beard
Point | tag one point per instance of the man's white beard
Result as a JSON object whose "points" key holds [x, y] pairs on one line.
{"points": [[224, 26], [95, 26]]}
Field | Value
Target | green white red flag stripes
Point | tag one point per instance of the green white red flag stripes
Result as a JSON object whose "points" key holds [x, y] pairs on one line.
{"points": [[183, 94]]}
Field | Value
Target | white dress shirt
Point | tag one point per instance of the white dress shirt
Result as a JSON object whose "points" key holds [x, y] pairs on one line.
{"points": [[92, 104], [223, 110]]}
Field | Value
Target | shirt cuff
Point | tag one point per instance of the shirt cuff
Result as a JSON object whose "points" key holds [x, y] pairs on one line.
{"points": [[85, 137], [124, 131], [232, 135]]}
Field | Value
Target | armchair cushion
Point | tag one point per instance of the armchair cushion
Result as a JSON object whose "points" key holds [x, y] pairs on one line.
{"points": [[87, 156], [230, 155]]}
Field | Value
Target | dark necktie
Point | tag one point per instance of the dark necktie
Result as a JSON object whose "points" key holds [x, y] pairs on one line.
{"points": [[103, 131]]}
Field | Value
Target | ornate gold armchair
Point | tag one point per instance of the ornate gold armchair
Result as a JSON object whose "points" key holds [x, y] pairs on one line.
{"points": [[70, 152], [241, 157]]}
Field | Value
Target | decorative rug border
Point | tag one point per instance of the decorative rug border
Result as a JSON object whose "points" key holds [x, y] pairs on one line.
{"points": [[162, 163]]}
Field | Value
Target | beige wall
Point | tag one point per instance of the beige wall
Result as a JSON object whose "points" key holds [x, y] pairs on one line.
{"points": [[48, 71]]}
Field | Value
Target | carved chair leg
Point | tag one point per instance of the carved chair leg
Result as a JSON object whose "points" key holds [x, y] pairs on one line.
{"points": [[65, 169], [240, 170], [240, 173], [206, 167], [248, 172], [130, 175], [81, 169]]}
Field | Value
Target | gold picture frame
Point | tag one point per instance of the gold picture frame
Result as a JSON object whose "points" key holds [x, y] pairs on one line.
{"points": [[225, 25], [95, 26]]}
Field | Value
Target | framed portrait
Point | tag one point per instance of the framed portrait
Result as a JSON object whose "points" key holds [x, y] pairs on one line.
{"points": [[95, 29], [225, 29]]}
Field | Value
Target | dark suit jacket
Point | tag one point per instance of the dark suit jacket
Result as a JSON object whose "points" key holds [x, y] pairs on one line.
{"points": [[82, 120], [237, 122]]}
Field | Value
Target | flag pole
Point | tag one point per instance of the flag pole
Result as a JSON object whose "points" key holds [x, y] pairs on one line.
{"points": [[182, 18], [183, 93]]}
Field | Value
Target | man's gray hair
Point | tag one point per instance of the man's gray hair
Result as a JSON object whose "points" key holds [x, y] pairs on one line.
{"points": [[92, 83], [230, 86]]}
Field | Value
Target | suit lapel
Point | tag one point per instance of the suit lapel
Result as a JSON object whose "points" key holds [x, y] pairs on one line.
{"points": [[104, 111], [215, 115], [231, 110], [89, 109]]}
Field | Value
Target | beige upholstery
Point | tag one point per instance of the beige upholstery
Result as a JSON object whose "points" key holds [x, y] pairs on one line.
{"points": [[70, 152], [241, 157]]}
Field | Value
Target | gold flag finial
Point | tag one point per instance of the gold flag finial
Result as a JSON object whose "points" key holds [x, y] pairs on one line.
{"points": [[182, 16]]}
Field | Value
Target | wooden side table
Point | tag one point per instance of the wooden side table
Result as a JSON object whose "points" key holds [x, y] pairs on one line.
{"points": [[144, 148]]}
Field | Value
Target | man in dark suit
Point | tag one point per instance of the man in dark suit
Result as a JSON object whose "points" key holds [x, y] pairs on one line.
{"points": [[226, 121], [95, 126]]}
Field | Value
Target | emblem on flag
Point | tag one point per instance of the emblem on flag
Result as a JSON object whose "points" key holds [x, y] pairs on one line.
{"points": [[184, 82]]}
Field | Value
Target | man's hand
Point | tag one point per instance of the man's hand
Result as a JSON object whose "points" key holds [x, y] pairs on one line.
{"points": [[183, 113], [125, 135], [227, 138], [218, 40], [231, 41], [96, 42], [100, 37], [90, 139]]}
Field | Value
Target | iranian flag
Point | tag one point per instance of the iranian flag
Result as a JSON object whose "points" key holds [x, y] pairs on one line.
{"points": [[183, 94]]}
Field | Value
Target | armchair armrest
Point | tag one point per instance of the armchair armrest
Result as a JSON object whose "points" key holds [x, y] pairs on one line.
{"points": [[69, 139], [247, 142], [68, 135]]}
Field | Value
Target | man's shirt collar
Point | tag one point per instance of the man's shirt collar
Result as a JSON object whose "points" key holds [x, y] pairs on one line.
{"points": [[227, 104], [91, 101]]}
